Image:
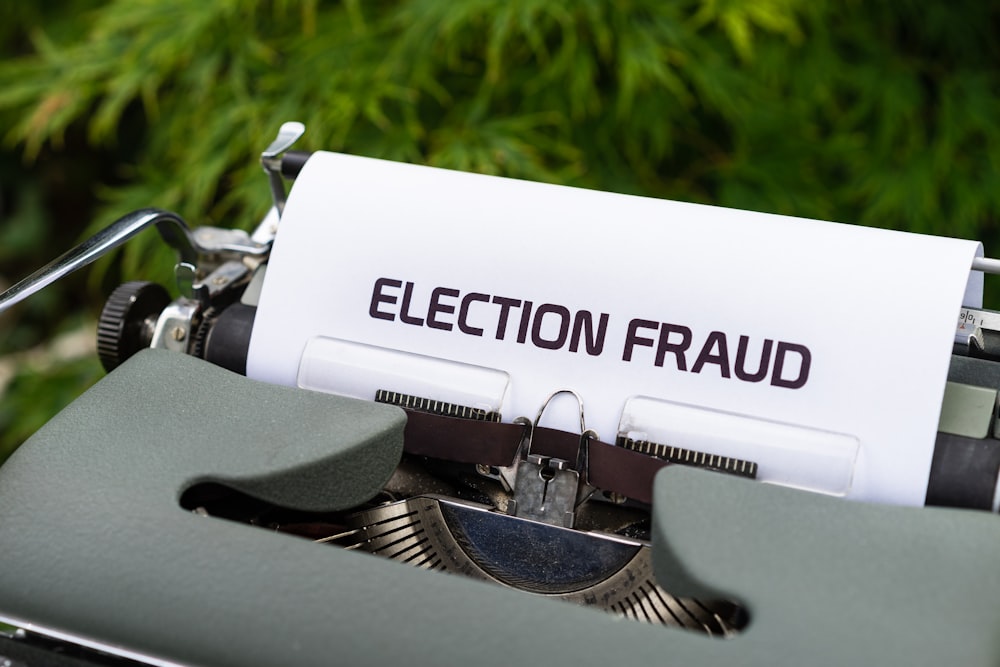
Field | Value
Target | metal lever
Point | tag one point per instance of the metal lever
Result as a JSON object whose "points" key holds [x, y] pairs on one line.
{"points": [[172, 228], [288, 134]]}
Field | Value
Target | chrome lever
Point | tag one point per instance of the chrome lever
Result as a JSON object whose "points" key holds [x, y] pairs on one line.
{"points": [[270, 159], [171, 226]]}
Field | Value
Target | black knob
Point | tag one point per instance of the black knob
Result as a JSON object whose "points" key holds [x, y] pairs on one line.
{"points": [[127, 322]]}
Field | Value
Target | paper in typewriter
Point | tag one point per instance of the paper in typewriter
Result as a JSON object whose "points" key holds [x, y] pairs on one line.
{"points": [[829, 327]]}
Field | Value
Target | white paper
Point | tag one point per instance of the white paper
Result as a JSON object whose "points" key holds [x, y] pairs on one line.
{"points": [[875, 310]]}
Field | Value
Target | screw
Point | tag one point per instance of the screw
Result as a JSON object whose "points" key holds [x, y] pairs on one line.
{"points": [[178, 334], [482, 469]]}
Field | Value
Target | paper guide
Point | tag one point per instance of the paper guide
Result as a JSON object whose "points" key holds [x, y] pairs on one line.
{"points": [[615, 297]]}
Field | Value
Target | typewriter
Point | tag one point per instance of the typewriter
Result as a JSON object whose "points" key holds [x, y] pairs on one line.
{"points": [[181, 513]]}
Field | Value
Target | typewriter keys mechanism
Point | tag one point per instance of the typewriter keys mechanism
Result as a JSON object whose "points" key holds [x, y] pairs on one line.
{"points": [[536, 525], [456, 524], [607, 571]]}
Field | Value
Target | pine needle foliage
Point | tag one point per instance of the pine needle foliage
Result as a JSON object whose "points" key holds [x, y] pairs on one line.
{"points": [[882, 114]]}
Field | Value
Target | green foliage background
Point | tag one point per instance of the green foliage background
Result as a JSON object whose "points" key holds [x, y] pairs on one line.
{"points": [[881, 114]]}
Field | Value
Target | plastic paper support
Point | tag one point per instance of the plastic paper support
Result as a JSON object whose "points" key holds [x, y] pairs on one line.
{"points": [[348, 368], [786, 454]]}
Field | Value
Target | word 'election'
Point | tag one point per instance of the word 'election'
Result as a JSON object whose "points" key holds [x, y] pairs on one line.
{"points": [[551, 326]]}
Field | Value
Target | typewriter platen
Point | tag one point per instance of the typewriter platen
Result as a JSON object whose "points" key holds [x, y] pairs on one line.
{"points": [[745, 573]]}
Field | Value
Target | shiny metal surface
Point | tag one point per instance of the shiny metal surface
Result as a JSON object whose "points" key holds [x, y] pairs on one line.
{"points": [[288, 134], [205, 241], [174, 327], [971, 319], [171, 227], [603, 571], [546, 491], [186, 278], [986, 265], [217, 240], [74, 638]]}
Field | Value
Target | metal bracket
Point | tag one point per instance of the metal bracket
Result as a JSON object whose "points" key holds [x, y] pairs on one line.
{"points": [[221, 279], [548, 489], [174, 327], [270, 159]]}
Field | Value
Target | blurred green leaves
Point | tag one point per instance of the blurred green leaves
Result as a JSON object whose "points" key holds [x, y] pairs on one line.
{"points": [[884, 114], [822, 109]]}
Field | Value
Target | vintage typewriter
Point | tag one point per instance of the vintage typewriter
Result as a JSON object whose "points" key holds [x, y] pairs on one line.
{"points": [[180, 513]]}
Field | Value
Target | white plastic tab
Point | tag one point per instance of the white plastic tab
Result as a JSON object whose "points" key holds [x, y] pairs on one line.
{"points": [[358, 370]]}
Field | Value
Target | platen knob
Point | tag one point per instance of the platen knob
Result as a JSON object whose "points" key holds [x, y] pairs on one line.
{"points": [[127, 322]]}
